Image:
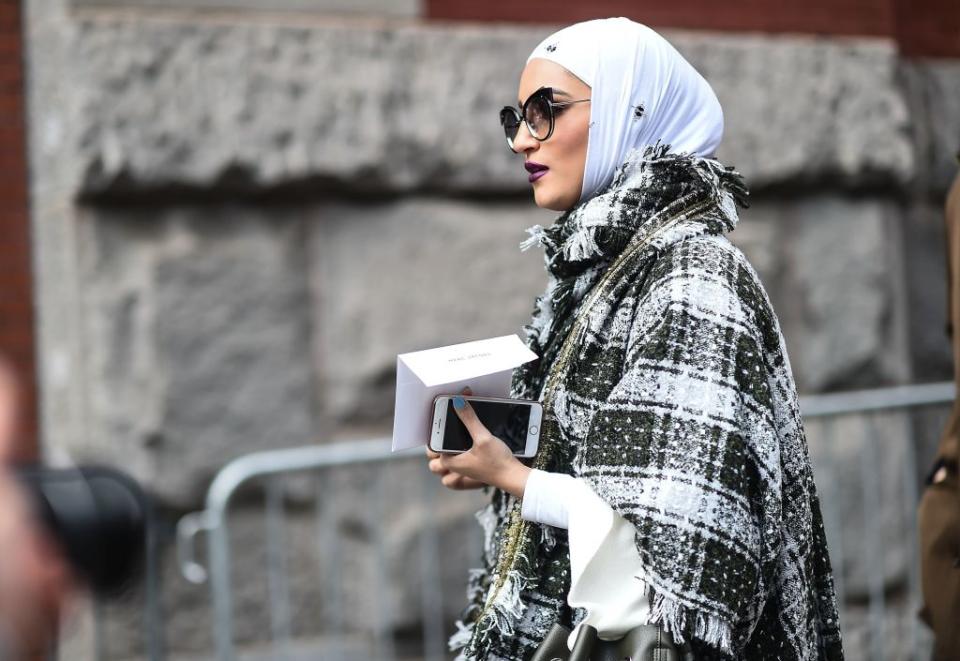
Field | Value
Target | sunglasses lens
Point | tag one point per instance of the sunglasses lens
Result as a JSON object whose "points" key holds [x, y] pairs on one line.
{"points": [[537, 115], [510, 121]]}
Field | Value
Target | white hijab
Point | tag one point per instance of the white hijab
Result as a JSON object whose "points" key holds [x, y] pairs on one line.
{"points": [[643, 91]]}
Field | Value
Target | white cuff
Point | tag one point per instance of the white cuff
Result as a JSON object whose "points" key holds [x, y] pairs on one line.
{"points": [[546, 498], [606, 572]]}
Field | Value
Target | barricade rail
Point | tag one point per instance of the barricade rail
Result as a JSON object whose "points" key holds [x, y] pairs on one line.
{"points": [[270, 467]]}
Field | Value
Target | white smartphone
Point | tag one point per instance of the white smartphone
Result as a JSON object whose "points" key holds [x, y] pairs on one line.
{"points": [[516, 422]]}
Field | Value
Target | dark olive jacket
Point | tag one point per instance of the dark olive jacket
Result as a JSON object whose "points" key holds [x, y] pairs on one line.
{"points": [[940, 506]]}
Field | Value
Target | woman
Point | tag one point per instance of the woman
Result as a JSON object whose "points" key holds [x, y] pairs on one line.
{"points": [[672, 484]]}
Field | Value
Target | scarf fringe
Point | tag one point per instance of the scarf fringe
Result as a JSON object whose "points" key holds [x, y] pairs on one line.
{"points": [[487, 518], [676, 619], [538, 237], [508, 607], [585, 282], [461, 638], [543, 319], [548, 538], [475, 588], [561, 405], [584, 243]]}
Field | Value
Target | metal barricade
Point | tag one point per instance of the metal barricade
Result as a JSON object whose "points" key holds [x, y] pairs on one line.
{"points": [[867, 406], [274, 466]]}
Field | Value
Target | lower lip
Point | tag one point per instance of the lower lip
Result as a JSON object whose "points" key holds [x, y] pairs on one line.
{"points": [[537, 175]]}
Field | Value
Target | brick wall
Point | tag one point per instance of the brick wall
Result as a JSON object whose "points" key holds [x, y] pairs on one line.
{"points": [[923, 27], [16, 282], [928, 27]]}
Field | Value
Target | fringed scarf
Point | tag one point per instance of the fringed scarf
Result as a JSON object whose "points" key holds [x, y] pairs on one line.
{"points": [[676, 403]]}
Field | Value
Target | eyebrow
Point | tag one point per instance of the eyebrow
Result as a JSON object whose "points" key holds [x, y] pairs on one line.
{"points": [[556, 91]]}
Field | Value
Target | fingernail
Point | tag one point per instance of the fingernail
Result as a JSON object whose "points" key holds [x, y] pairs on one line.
{"points": [[459, 402]]}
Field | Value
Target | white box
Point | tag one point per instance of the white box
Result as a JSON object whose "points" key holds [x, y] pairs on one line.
{"points": [[485, 365]]}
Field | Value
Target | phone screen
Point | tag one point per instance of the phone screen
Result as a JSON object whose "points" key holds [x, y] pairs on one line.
{"points": [[508, 422]]}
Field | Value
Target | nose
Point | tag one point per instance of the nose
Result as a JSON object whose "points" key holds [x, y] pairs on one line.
{"points": [[523, 142]]}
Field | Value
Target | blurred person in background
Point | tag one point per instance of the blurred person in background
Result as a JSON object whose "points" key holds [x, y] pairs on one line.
{"points": [[672, 485], [34, 578], [940, 505]]}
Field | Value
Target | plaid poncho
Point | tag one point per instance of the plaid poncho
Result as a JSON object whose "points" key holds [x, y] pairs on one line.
{"points": [[677, 405]]}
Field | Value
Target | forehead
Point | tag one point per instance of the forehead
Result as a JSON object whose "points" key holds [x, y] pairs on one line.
{"points": [[545, 73]]}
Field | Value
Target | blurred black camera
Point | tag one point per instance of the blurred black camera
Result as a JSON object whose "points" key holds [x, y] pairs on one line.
{"points": [[98, 515]]}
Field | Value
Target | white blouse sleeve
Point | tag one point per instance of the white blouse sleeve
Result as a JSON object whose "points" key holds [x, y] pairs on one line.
{"points": [[606, 574]]}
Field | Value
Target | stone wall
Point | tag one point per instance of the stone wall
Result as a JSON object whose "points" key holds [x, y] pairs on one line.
{"points": [[240, 219]]}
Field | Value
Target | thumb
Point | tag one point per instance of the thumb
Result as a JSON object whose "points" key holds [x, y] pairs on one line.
{"points": [[469, 418]]}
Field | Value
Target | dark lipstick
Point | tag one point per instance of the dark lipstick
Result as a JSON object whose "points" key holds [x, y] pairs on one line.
{"points": [[536, 170]]}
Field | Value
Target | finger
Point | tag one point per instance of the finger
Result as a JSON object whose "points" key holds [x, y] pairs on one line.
{"points": [[469, 483], [450, 480], [436, 466], [431, 454], [460, 482], [453, 462], [468, 416]]}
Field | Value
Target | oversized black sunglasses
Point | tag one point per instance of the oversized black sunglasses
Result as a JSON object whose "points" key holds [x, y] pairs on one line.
{"points": [[538, 112]]}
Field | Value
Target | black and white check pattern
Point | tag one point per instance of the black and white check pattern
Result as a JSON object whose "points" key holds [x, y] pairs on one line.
{"points": [[679, 409]]}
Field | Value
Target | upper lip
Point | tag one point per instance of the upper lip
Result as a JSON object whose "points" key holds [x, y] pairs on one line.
{"points": [[534, 167]]}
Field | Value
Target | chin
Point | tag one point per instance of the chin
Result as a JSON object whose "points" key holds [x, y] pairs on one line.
{"points": [[547, 199]]}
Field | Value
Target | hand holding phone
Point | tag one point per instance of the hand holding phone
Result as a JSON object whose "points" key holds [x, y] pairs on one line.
{"points": [[484, 458], [516, 422]]}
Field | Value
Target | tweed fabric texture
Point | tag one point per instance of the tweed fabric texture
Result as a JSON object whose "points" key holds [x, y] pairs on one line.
{"points": [[676, 403]]}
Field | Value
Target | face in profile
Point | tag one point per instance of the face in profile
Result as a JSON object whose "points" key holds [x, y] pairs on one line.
{"points": [[555, 151]]}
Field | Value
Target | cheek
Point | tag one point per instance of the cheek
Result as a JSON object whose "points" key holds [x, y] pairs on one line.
{"points": [[574, 148], [581, 149], [574, 161], [567, 158]]}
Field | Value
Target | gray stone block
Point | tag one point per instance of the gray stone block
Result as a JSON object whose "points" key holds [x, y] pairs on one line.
{"points": [[833, 268], [804, 110], [199, 342], [196, 343], [933, 91], [926, 282], [47, 40], [860, 469], [896, 632], [258, 106], [396, 277], [944, 121]]}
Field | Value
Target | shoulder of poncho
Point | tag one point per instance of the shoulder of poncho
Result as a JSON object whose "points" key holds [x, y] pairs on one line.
{"points": [[705, 255], [714, 256], [730, 282], [714, 249]]}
